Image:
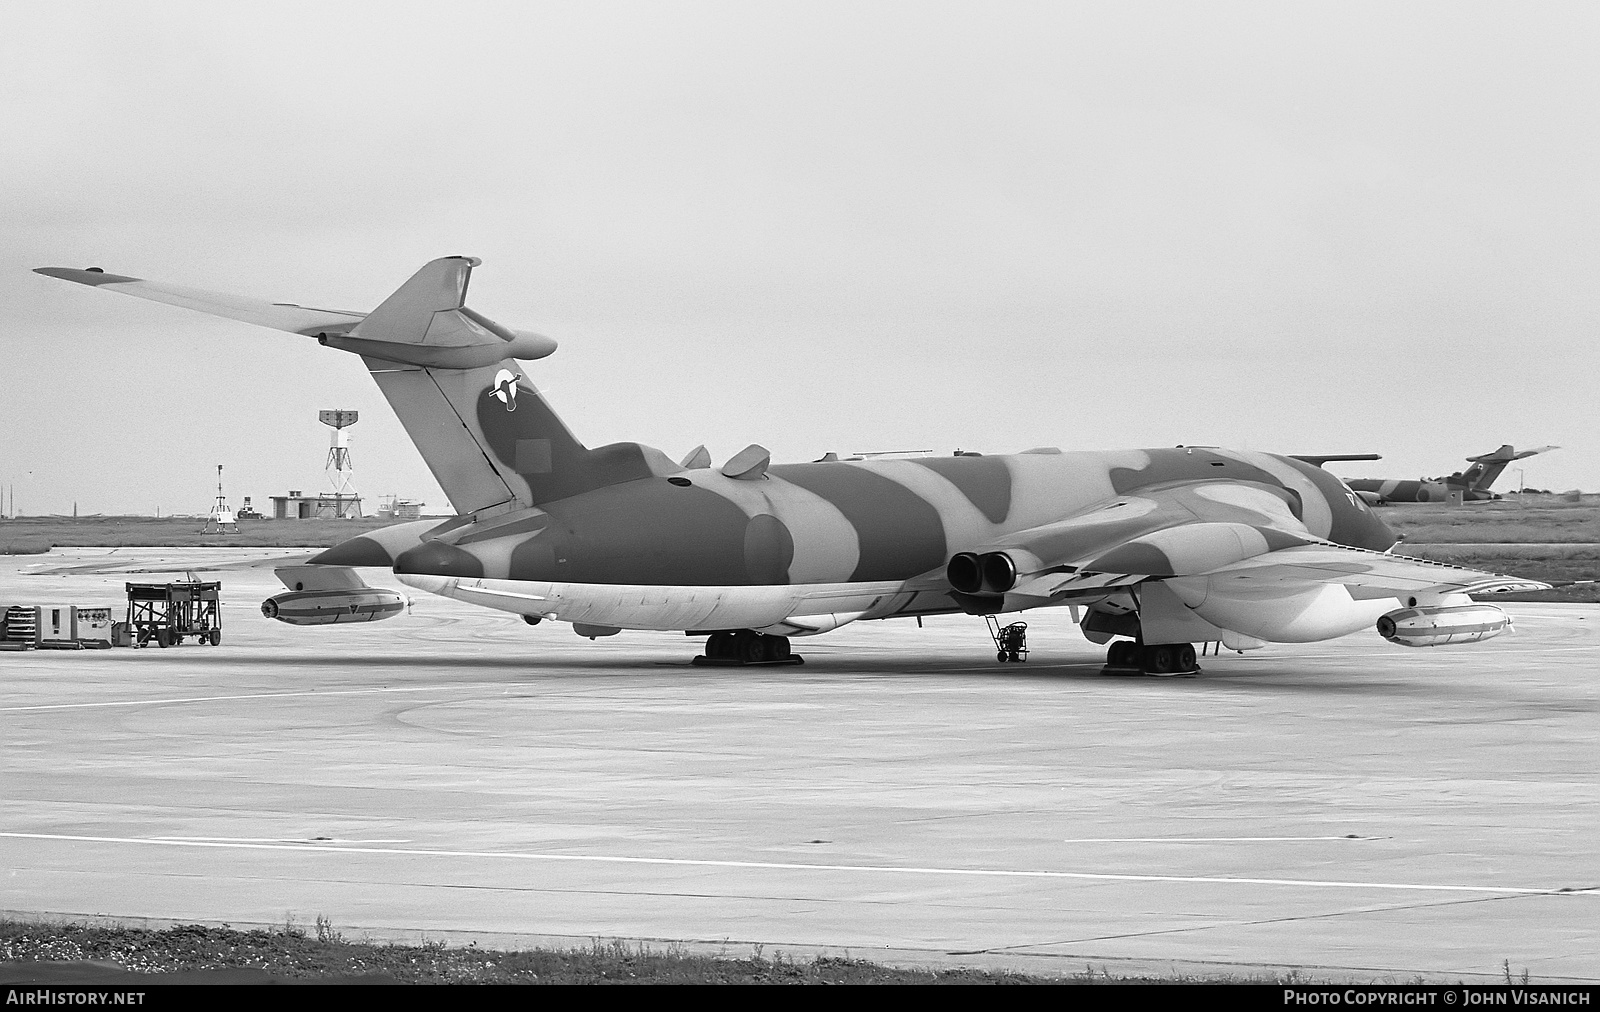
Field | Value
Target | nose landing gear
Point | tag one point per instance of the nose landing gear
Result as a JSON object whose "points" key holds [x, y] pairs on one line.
{"points": [[744, 646], [1129, 657]]}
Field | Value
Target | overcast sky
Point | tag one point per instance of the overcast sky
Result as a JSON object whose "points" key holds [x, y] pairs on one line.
{"points": [[1295, 227]]}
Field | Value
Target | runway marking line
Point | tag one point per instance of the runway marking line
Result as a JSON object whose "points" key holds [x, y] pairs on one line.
{"points": [[682, 862]]}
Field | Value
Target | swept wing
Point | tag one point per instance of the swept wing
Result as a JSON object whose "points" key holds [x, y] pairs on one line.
{"points": [[1246, 534]]}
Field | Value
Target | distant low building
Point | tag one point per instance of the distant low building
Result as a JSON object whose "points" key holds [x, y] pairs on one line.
{"points": [[298, 505], [396, 508]]}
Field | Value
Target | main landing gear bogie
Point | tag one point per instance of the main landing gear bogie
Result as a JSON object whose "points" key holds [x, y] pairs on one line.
{"points": [[744, 646], [1129, 656]]}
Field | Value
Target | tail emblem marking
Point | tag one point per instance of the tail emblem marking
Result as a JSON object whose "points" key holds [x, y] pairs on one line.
{"points": [[505, 388]]}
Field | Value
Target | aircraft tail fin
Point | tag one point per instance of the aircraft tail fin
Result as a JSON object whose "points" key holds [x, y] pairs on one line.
{"points": [[1486, 468], [488, 435], [452, 376]]}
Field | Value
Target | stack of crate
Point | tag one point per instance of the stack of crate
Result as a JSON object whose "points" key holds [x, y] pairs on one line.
{"points": [[20, 628]]}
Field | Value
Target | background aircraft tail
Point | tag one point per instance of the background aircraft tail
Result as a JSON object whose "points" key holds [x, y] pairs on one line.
{"points": [[1487, 467]]}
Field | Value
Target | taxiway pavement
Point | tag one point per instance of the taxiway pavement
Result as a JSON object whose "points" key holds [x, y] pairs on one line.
{"points": [[1354, 808]]}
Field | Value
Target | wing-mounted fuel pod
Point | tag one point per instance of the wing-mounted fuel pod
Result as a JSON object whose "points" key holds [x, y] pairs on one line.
{"points": [[1439, 625], [327, 595]]}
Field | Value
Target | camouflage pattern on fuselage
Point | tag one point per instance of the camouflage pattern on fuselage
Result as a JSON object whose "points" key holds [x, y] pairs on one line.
{"points": [[1387, 490], [843, 521]]}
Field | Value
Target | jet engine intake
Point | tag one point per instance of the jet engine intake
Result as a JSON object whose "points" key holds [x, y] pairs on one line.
{"points": [[327, 607], [989, 573], [1435, 626]]}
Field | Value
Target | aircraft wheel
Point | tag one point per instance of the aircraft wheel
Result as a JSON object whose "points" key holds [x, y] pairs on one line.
{"points": [[1185, 658], [720, 646], [216, 637], [750, 647], [775, 648], [1123, 654], [1161, 659]]}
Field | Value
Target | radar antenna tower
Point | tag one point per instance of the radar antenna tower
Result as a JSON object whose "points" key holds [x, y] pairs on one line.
{"points": [[338, 463]]}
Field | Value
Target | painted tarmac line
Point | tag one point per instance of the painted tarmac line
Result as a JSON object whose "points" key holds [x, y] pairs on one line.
{"points": [[1225, 839], [226, 699], [263, 839], [805, 866]]}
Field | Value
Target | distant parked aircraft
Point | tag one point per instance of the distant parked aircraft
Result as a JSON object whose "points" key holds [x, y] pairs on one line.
{"points": [[1154, 549], [1471, 485]]}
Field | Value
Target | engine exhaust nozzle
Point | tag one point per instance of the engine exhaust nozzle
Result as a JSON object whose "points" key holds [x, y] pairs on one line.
{"points": [[965, 573]]}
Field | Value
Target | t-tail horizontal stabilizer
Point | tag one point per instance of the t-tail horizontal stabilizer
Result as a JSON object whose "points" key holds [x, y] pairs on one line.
{"points": [[1508, 453], [1320, 459], [426, 323]]}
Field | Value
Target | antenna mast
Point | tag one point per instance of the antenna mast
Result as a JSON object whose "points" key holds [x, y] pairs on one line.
{"points": [[221, 520]]}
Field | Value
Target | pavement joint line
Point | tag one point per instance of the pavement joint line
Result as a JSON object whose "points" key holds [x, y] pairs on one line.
{"points": [[803, 866], [1379, 908], [225, 699]]}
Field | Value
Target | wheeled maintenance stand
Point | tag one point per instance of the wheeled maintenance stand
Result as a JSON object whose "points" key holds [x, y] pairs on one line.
{"points": [[169, 612], [1010, 642]]}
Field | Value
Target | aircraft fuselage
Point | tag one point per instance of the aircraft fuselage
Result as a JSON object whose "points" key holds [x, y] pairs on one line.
{"points": [[843, 522]]}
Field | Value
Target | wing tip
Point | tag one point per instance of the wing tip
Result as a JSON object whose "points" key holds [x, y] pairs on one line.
{"points": [[1510, 585], [92, 276]]}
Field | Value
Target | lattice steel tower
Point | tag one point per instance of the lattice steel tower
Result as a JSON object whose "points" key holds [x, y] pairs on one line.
{"points": [[338, 465]]}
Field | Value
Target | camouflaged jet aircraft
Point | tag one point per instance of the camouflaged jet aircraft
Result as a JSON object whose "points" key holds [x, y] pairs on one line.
{"points": [[1154, 550], [1471, 485]]}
